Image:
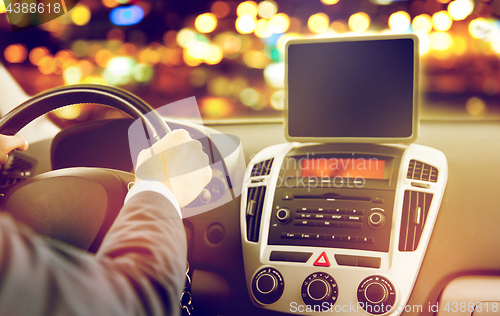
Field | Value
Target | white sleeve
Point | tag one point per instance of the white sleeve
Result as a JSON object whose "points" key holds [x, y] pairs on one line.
{"points": [[154, 186]]}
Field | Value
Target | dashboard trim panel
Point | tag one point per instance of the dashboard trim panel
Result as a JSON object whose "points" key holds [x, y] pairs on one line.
{"points": [[399, 268]]}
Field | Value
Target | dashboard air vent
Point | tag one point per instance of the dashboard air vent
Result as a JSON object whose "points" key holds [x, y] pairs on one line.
{"points": [[421, 171], [415, 209], [255, 202], [262, 168]]}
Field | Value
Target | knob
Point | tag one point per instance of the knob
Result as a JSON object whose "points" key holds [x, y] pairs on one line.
{"points": [[376, 220], [267, 286], [376, 295], [319, 288], [266, 283], [283, 215]]}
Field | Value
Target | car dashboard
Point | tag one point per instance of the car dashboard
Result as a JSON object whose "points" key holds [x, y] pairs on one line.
{"points": [[224, 262]]}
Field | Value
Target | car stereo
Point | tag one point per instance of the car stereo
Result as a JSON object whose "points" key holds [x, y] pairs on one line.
{"points": [[342, 224], [315, 204]]}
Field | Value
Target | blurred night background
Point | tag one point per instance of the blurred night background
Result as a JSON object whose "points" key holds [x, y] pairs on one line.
{"points": [[230, 54]]}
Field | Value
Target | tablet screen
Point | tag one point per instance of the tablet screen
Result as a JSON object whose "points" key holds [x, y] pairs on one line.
{"points": [[361, 89]]}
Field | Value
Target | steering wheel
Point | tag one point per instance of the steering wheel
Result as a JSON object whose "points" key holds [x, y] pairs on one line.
{"points": [[75, 205]]}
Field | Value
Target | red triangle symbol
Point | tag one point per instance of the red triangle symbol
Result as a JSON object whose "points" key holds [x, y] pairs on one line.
{"points": [[322, 261]]}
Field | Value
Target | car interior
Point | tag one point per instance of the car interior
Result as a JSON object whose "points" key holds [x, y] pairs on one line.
{"points": [[369, 192]]}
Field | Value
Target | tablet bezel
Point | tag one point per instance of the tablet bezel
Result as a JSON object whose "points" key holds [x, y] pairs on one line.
{"points": [[415, 119]]}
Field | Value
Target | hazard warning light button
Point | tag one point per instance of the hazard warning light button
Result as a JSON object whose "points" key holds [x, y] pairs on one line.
{"points": [[322, 261]]}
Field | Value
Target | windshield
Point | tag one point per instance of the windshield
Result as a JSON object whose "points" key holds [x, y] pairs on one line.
{"points": [[230, 54]]}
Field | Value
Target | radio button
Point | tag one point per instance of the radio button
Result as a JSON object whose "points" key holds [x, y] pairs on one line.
{"points": [[289, 235], [354, 218], [336, 210], [302, 215], [320, 216], [350, 238], [357, 212], [338, 217], [328, 224], [305, 223], [333, 237], [350, 225], [366, 240]]}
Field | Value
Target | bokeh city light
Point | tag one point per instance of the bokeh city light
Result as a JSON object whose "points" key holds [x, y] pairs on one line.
{"points": [[205, 23], [359, 22], [230, 54]]}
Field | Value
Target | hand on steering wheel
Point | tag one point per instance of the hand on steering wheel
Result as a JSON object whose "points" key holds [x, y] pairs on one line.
{"points": [[186, 167], [10, 143], [75, 205]]}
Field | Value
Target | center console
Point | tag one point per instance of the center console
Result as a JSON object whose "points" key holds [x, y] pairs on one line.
{"points": [[339, 219], [350, 241]]}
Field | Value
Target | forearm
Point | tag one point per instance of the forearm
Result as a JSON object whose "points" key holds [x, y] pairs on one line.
{"points": [[138, 270], [148, 242]]}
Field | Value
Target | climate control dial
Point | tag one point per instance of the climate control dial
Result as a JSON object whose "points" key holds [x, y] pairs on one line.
{"points": [[319, 288], [268, 286], [376, 295]]}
